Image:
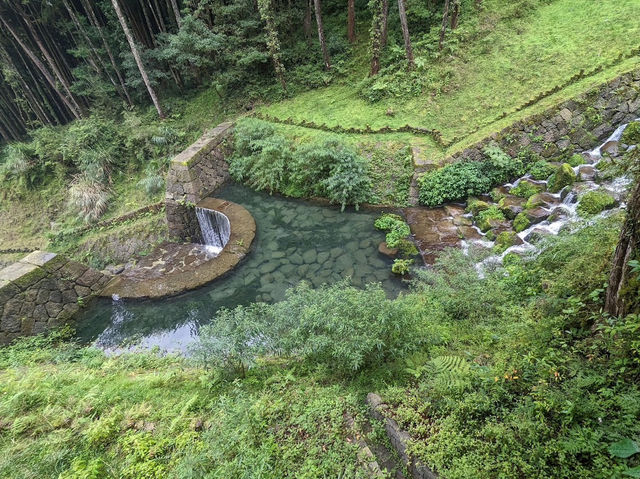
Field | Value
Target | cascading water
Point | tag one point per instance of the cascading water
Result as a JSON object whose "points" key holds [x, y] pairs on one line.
{"points": [[215, 229], [567, 203]]}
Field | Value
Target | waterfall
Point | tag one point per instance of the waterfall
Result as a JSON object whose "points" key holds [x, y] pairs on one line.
{"points": [[215, 228]]}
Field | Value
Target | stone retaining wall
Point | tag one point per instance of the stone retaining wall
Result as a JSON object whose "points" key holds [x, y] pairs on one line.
{"points": [[576, 124], [398, 438], [193, 175], [43, 291]]}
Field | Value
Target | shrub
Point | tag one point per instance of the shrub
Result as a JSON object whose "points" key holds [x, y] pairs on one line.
{"points": [[526, 189], [90, 199], [594, 202], [401, 266], [396, 228], [576, 160], [631, 134], [457, 181], [541, 170], [339, 326], [152, 184], [265, 161]]}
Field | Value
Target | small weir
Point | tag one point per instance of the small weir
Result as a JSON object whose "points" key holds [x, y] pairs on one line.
{"points": [[215, 228]]}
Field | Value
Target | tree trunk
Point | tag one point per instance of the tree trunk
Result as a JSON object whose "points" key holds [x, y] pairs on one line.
{"points": [[385, 22], [307, 21], [323, 43], [616, 302], [351, 21], [443, 29], [273, 44], [405, 33], [176, 12], [136, 56], [94, 20], [376, 37], [455, 14], [36, 61]]}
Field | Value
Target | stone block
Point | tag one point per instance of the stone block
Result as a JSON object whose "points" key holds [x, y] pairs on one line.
{"points": [[38, 258]]}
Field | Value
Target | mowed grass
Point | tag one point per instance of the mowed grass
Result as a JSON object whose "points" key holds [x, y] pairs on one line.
{"points": [[509, 63]]}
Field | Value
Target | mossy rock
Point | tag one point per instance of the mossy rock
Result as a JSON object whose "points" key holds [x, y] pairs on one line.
{"points": [[511, 206], [475, 206], [631, 134], [489, 218], [594, 202], [526, 189], [505, 240], [564, 176], [521, 222]]}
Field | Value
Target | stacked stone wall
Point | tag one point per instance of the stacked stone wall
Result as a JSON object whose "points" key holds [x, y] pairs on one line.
{"points": [[576, 124], [194, 175], [43, 291]]}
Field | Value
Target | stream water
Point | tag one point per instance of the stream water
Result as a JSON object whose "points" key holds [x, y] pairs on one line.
{"points": [[295, 240]]}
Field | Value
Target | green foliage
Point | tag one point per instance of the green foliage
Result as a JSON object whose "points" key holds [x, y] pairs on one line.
{"points": [[541, 170], [526, 189], [505, 240], [564, 176], [594, 202], [459, 180], [631, 134], [521, 222], [401, 266], [486, 219], [89, 199], [341, 327], [395, 227], [576, 160], [265, 160], [624, 448]]}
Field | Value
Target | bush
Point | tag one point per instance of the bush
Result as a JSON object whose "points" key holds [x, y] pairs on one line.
{"points": [[457, 181], [88, 198], [594, 202], [396, 228], [339, 326], [526, 189], [265, 161], [487, 218], [541, 170]]}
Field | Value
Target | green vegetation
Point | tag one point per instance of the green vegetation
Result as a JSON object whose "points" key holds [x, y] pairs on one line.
{"points": [[487, 219], [267, 161], [502, 374], [457, 181], [521, 222], [631, 134], [541, 170], [594, 202], [526, 189], [564, 176], [395, 227]]}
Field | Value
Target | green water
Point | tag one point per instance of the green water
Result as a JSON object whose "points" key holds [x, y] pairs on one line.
{"points": [[295, 240]]}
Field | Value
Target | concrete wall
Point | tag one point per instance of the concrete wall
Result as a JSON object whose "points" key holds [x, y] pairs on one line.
{"points": [[43, 291], [193, 175], [576, 124]]}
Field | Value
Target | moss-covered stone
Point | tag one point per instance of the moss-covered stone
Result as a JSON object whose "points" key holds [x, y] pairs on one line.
{"points": [[475, 206], [489, 218], [631, 134], [505, 240], [526, 189], [594, 202], [576, 160], [564, 176], [511, 206], [521, 222]]}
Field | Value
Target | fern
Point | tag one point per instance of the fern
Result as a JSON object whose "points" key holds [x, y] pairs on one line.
{"points": [[449, 372]]}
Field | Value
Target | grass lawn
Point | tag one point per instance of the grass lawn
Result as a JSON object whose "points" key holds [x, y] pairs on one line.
{"points": [[495, 72]]}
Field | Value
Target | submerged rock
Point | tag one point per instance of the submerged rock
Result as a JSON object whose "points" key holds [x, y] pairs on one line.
{"points": [[385, 250]]}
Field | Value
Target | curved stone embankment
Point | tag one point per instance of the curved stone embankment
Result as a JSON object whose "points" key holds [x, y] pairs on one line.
{"points": [[174, 268]]}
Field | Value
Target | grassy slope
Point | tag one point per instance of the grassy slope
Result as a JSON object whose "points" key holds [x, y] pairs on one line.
{"points": [[140, 416], [511, 62]]}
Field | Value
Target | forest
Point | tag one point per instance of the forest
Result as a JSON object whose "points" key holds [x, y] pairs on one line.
{"points": [[437, 272]]}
